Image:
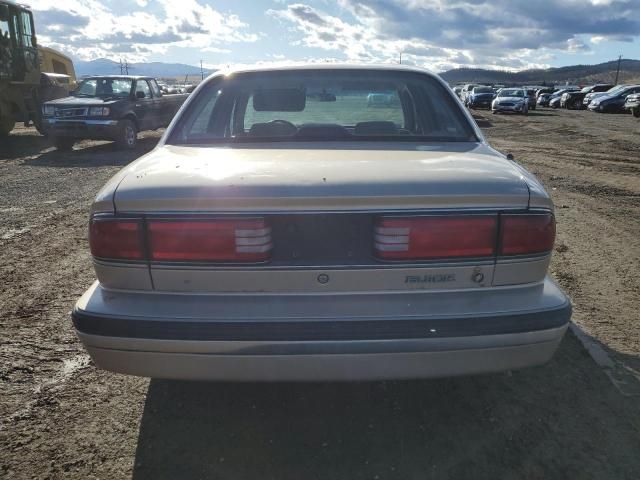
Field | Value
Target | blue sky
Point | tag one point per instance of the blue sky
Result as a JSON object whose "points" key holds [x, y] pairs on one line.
{"points": [[437, 34]]}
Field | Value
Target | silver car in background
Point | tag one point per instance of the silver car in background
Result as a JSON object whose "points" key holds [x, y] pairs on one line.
{"points": [[514, 100], [284, 230]]}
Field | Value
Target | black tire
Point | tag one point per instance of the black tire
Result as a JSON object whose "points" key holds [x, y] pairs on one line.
{"points": [[37, 122], [64, 144], [636, 112], [127, 135]]}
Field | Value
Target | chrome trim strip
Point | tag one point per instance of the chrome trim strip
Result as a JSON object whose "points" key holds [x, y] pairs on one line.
{"points": [[86, 122]]}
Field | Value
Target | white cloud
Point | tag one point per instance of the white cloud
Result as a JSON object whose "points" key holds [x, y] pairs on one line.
{"points": [[363, 41], [89, 29]]}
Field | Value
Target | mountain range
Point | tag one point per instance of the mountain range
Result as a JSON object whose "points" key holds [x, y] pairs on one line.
{"points": [[103, 66], [574, 74]]}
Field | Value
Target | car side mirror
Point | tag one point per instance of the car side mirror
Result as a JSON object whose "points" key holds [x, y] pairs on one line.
{"points": [[510, 156], [140, 95]]}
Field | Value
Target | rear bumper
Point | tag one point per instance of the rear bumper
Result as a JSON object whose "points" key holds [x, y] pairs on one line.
{"points": [[89, 129], [340, 338]]}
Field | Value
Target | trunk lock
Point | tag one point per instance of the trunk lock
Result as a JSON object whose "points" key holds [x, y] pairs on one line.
{"points": [[477, 276], [323, 278]]}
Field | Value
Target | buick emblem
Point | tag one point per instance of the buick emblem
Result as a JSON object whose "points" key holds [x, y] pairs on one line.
{"points": [[323, 278]]}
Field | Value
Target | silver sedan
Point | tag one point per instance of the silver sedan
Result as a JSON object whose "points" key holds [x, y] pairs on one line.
{"points": [[284, 229], [514, 100]]}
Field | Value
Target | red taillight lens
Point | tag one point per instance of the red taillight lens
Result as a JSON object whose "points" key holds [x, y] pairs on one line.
{"points": [[217, 240], [116, 239], [524, 234], [423, 238]]}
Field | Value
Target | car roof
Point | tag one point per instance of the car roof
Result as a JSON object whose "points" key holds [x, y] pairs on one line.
{"points": [[325, 66], [124, 77]]}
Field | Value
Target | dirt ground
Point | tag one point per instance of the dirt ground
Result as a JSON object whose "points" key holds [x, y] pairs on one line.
{"points": [[62, 418]]}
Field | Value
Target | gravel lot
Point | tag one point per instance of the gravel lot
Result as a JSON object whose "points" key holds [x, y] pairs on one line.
{"points": [[62, 418]]}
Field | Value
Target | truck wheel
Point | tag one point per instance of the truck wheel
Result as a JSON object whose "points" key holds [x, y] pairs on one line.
{"points": [[64, 144], [127, 135], [6, 125]]}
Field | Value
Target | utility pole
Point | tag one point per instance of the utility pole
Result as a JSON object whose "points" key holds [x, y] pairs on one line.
{"points": [[201, 71], [121, 68], [400, 58], [618, 70], [126, 67]]}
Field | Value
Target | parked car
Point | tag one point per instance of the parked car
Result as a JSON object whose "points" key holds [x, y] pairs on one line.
{"points": [[613, 103], [511, 100], [544, 90], [554, 102], [543, 99], [480, 97], [466, 91], [457, 90], [255, 243], [633, 104], [592, 96], [572, 100], [531, 95], [555, 98], [381, 99], [109, 108]]}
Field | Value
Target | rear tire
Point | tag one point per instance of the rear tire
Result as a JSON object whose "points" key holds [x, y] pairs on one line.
{"points": [[64, 144], [127, 135], [636, 112]]}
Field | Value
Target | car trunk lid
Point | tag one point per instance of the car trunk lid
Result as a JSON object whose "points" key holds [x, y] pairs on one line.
{"points": [[305, 177]]}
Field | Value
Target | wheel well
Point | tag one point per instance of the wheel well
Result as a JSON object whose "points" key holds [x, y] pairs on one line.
{"points": [[132, 117]]}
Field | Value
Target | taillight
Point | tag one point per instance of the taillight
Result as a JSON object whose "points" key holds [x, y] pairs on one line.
{"points": [[526, 234], [215, 240], [119, 239], [433, 237]]}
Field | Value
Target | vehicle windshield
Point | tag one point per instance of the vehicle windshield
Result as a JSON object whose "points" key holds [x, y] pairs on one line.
{"points": [[483, 90], [323, 105], [104, 87], [586, 89], [615, 89], [511, 92]]}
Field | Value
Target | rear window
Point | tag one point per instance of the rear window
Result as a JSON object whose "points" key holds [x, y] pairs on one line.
{"points": [[322, 105]]}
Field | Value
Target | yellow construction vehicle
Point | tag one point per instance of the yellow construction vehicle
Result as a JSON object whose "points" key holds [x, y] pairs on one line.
{"points": [[23, 65]]}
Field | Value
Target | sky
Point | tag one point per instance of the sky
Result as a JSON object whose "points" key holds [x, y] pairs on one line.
{"points": [[436, 34]]}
